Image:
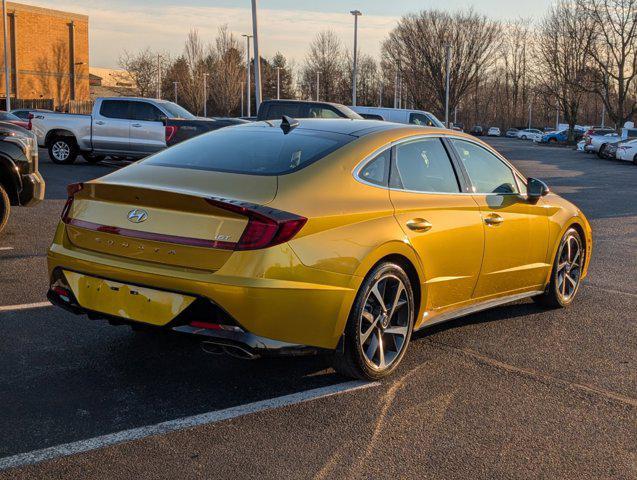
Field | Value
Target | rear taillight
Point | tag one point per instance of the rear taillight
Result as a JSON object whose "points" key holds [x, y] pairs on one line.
{"points": [[266, 226], [171, 131], [71, 190], [30, 124]]}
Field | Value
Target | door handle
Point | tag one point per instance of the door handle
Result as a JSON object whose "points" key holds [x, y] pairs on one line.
{"points": [[493, 219], [419, 225], [99, 122], [136, 125]]}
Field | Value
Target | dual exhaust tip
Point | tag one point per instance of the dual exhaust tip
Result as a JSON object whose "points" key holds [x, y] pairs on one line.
{"points": [[236, 351]]}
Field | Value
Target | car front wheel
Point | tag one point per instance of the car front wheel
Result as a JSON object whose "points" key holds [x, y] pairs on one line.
{"points": [[379, 326], [5, 208], [567, 272]]}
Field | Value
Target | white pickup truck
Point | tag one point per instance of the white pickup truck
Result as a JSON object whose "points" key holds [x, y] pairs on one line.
{"points": [[120, 127]]}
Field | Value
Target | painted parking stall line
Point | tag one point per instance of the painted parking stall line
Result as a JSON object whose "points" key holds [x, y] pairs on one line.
{"points": [[95, 443], [5, 249], [24, 306]]}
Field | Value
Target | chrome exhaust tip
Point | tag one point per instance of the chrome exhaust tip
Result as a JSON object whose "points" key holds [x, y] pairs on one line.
{"points": [[238, 352], [212, 348]]}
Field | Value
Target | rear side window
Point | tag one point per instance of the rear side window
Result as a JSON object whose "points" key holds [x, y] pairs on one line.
{"points": [[277, 110], [377, 170], [115, 109], [251, 150], [322, 112], [424, 166]]}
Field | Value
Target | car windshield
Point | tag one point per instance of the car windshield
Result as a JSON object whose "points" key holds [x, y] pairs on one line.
{"points": [[8, 116], [177, 111], [253, 150]]}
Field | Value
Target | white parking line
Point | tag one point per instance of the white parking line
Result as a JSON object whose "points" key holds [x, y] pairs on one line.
{"points": [[4, 249], [24, 306], [66, 449]]}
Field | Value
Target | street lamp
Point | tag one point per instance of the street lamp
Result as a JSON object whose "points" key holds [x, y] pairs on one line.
{"points": [[248, 37], [257, 59], [205, 94], [278, 83], [6, 58], [175, 85], [448, 73], [356, 14], [317, 86]]}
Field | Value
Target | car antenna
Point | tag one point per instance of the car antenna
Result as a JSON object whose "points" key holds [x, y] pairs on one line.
{"points": [[288, 124]]}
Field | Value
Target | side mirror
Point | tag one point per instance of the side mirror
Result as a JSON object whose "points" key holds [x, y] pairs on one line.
{"points": [[163, 119], [536, 188]]}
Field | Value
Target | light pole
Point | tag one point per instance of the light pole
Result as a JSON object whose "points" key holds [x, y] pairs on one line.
{"points": [[448, 73], [175, 85], [7, 73], [158, 76], [278, 83], [380, 96], [317, 86], [241, 99], [356, 14], [257, 59], [205, 94], [530, 111], [396, 89], [248, 37]]}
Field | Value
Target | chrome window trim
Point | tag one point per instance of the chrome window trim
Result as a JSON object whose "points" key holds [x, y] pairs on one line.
{"points": [[360, 165]]}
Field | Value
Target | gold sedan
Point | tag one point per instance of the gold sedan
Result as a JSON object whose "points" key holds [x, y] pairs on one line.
{"points": [[340, 235]]}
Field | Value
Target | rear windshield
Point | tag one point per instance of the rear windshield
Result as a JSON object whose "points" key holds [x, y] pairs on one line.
{"points": [[251, 150]]}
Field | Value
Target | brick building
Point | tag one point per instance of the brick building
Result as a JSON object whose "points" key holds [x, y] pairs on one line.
{"points": [[48, 54]]}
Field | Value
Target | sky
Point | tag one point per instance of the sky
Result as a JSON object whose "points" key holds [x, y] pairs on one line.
{"points": [[287, 26]]}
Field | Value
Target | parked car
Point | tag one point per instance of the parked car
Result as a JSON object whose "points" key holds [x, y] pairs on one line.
{"points": [[598, 131], [254, 224], [121, 127], [512, 133], [400, 115], [494, 132], [11, 118], [20, 181], [476, 131], [609, 150], [275, 109], [594, 142], [527, 133], [23, 113], [627, 151], [560, 136]]}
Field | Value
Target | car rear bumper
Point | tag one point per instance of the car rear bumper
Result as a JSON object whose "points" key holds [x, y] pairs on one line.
{"points": [[302, 306]]}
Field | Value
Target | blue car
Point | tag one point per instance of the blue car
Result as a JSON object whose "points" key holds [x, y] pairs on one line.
{"points": [[561, 136]]}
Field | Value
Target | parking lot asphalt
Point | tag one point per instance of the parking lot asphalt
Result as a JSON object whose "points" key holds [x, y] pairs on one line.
{"points": [[515, 392]]}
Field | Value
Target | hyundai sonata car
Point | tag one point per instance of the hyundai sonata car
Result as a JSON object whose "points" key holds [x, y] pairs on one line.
{"points": [[293, 236]]}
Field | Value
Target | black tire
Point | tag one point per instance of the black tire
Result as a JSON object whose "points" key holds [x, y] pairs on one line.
{"points": [[351, 360], [5, 208], [600, 152], [63, 150], [553, 296], [92, 159], [523, 137], [635, 160]]}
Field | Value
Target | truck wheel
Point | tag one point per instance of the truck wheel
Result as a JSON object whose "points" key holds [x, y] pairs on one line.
{"points": [[63, 150], [92, 158], [5, 208]]}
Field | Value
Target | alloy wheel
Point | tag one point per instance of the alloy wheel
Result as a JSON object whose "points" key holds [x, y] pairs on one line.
{"points": [[61, 150], [384, 322], [569, 268]]}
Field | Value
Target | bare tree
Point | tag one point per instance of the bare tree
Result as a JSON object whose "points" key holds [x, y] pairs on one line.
{"points": [[225, 66], [325, 57], [143, 67], [614, 54], [563, 49], [417, 46]]}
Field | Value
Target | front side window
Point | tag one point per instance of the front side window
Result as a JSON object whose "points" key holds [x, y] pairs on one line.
{"points": [[277, 110], [322, 112], [145, 112], [423, 166], [115, 109], [487, 172]]}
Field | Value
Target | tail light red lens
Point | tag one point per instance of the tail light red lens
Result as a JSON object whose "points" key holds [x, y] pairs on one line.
{"points": [[71, 190], [171, 131], [266, 226]]}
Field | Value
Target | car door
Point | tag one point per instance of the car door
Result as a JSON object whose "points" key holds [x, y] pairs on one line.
{"points": [[439, 220], [111, 127], [516, 230], [147, 131]]}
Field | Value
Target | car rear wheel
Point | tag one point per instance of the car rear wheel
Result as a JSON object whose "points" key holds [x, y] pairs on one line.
{"points": [[600, 152], [5, 208], [566, 274], [635, 160], [62, 150], [379, 326]]}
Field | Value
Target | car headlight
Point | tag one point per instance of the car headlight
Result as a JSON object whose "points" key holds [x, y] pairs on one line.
{"points": [[26, 141]]}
